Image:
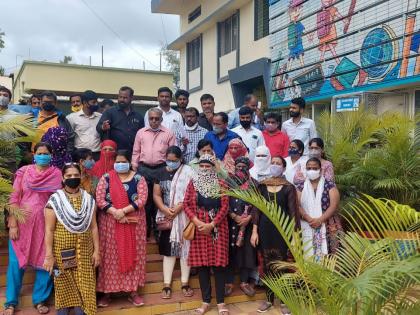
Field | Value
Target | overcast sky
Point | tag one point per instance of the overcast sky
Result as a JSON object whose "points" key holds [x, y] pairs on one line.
{"points": [[51, 29]]}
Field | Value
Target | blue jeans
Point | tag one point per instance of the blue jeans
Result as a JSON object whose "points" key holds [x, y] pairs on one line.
{"points": [[42, 287]]}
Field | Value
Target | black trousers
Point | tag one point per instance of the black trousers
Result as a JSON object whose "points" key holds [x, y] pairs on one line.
{"points": [[205, 283], [150, 175]]}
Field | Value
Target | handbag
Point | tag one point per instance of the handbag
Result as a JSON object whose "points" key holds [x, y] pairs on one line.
{"points": [[68, 258], [189, 231], [164, 223]]}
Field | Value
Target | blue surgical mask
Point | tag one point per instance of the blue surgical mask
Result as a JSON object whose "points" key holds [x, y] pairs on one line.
{"points": [[122, 167], [293, 152], [217, 130], [42, 159], [173, 165], [88, 164]]}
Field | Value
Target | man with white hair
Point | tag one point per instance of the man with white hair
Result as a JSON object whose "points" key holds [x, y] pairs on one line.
{"points": [[149, 155]]}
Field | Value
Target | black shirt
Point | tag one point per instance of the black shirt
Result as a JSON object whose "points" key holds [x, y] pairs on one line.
{"points": [[203, 122], [123, 127]]}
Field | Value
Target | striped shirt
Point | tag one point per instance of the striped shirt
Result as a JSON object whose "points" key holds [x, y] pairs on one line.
{"points": [[194, 136]]}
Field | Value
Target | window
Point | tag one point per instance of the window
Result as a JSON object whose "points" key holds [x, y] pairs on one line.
{"points": [[260, 19], [228, 34], [194, 14], [194, 54]]}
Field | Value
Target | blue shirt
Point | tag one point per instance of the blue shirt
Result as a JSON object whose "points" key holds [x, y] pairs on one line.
{"points": [[220, 146]]}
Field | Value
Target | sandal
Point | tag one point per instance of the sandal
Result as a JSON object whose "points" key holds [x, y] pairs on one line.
{"points": [[203, 309], [228, 289], [222, 309], [9, 310], [42, 308], [166, 293], [247, 289], [135, 299], [187, 291]]}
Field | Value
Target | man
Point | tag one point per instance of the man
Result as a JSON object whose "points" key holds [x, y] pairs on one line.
{"points": [[76, 102], [49, 117], [193, 132], [251, 136], [5, 97], [84, 124], [299, 127], [251, 102], [206, 117], [149, 156], [35, 102], [105, 105], [221, 135], [121, 123], [182, 100], [171, 118], [276, 141]]}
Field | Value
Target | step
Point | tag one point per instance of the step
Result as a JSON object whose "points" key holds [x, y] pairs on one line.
{"points": [[155, 305]]}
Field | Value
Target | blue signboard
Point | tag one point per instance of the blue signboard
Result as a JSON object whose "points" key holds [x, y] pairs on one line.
{"points": [[347, 104]]}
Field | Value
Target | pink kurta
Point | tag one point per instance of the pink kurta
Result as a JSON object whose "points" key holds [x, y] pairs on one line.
{"points": [[32, 189]]}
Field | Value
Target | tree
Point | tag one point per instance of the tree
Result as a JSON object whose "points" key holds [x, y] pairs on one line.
{"points": [[172, 62], [1, 39], [2, 70], [66, 60]]}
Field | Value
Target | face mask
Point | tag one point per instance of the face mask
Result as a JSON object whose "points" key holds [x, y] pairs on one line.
{"points": [[173, 165], [75, 108], [245, 124], [217, 130], [271, 127], [123, 105], [193, 127], [88, 164], [314, 153], [4, 101], [276, 170], [313, 174], [260, 161], [122, 167], [42, 159], [155, 129], [294, 114], [72, 182], [48, 106], [93, 108], [241, 176], [293, 152]]}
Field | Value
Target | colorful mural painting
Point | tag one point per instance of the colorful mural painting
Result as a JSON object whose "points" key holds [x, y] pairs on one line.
{"points": [[322, 48]]}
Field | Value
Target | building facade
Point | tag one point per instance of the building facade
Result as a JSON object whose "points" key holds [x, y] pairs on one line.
{"points": [[224, 48], [338, 54]]}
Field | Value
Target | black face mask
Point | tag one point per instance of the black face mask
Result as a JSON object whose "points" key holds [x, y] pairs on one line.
{"points": [[93, 108], [294, 114], [48, 106], [245, 123], [72, 182]]}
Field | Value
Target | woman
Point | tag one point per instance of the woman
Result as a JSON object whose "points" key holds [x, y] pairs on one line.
{"points": [[262, 162], [121, 195], [206, 147], [57, 138], [318, 203], [236, 149], [32, 187], [106, 160], [168, 195], [241, 214], [316, 150], [264, 234], [295, 162], [84, 158], [71, 229], [209, 248]]}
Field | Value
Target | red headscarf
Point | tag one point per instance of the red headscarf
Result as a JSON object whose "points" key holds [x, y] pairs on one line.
{"points": [[236, 149], [106, 161], [125, 234]]}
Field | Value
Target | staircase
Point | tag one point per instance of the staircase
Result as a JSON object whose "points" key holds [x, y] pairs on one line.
{"points": [[154, 304]]}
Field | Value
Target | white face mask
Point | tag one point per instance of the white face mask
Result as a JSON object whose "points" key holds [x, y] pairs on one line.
{"points": [[260, 161], [313, 174], [4, 100], [193, 127], [276, 170]]}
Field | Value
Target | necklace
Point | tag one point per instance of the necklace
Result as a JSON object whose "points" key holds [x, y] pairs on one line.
{"points": [[72, 193]]}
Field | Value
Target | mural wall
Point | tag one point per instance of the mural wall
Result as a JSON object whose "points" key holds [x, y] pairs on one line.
{"points": [[322, 48]]}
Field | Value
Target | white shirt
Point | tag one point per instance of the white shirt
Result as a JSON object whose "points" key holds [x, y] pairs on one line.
{"points": [[84, 128], [171, 120], [304, 130], [252, 138], [292, 168]]}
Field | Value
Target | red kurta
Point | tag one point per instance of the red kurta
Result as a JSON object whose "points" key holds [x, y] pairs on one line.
{"points": [[277, 143], [203, 250]]}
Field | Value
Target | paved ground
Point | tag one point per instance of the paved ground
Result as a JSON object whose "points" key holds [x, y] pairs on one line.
{"points": [[245, 308]]}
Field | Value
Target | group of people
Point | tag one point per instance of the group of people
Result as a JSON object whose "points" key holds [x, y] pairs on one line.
{"points": [[102, 184]]}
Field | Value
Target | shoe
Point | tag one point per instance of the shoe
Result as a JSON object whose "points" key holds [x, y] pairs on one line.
{"points": [[247, 289], [136, 299], [264, 307], [104, 301]]}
